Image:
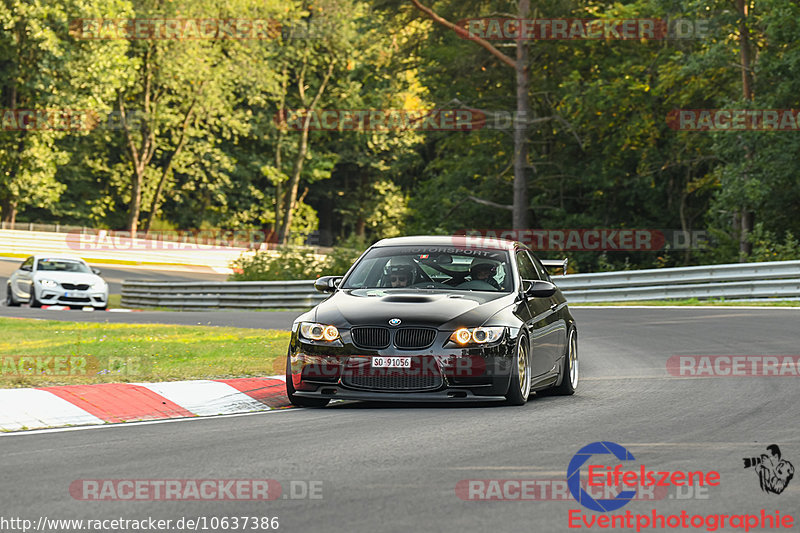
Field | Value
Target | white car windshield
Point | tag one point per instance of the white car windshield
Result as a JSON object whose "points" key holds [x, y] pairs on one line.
{"points": [[432, 267], [62, 265]]}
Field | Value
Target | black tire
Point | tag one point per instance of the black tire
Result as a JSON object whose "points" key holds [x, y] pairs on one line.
{"points": [[10, 302], [569, 380], [299, 401], [519, 388], [34, 301]]}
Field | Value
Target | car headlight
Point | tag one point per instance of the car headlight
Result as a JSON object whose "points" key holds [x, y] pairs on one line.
{"points": [[98, 285], [48, 283], [318, 332], [477, 335]]}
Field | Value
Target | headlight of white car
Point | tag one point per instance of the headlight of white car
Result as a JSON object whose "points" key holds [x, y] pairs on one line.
{"points": [[98, 285], [48, 283]]}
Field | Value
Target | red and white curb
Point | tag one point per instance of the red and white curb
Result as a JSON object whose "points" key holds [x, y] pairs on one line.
{"points": [[86, 309], [81, 405]]}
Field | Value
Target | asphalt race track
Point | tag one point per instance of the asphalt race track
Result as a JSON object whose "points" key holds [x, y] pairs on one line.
{"points": [[396, 468]]}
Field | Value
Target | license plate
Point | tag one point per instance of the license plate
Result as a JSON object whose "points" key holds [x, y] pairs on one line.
{"points": [[391, 362]]}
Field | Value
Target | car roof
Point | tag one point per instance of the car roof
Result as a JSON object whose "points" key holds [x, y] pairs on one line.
{"points": [[39, 257], [449, 240]]}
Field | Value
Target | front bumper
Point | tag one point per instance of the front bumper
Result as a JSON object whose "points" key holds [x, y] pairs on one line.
{"points": [[447, 395], [442, 372], [61, 296]]}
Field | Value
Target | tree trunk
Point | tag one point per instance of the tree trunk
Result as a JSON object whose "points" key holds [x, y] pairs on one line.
{"points": [[140, 157], [685, 227], [294, 183], [8, 209], [135, 205], [278, 153], [302, 150], [520, 211], [168, 167], [745, 215]]}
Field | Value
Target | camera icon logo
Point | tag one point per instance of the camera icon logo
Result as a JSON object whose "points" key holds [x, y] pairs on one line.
{"points": [[774, 473]]}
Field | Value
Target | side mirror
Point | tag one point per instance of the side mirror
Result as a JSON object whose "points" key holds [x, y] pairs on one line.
{"points": [[26, 268], [327, 283], [96, 271], [536, 288]]}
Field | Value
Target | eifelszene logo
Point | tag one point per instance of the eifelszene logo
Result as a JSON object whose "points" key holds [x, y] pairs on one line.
{"points": [[774, 473], [606, 476]]}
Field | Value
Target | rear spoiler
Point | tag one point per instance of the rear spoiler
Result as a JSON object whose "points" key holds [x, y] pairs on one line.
{"points": [[556, 263]]}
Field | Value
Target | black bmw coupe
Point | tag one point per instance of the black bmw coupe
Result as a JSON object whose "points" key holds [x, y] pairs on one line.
{"points": [[435, 319]]}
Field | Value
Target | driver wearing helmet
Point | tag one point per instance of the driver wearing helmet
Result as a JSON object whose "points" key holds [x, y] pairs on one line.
{"points": [[484, 272], [400, 276]]}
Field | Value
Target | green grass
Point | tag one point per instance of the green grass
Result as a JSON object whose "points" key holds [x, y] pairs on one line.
{"points": [[85, 352], [114, 301], [695, 301]]}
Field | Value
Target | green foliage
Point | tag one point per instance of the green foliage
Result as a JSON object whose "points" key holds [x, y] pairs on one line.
{"points": [[296, 263], [601, 152], [767, 247], [286, 263]]}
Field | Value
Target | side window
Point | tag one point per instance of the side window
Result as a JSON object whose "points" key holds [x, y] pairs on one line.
{"points": [[27, 264], [525, 266], [540, 269]]}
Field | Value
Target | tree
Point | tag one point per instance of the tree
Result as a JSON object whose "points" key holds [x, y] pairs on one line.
{"points": [[520, 66], [45, 70]]}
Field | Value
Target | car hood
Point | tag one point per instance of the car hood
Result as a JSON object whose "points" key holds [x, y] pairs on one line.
{"points": [[443, 310], [68, 277]]}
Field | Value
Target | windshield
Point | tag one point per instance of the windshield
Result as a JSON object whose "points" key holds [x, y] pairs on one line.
{"points": [[432, 267], [62, 265]]}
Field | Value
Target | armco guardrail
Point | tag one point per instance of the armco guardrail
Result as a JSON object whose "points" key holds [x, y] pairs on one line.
{"points": [[780, 279], [228, 294]]}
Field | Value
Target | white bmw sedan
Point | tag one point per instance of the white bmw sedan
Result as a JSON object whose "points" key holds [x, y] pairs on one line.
{"points": [[57, 280]]}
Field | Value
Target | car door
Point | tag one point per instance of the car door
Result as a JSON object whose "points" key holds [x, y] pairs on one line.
{"points": [[559, 305], [22, 280], [539, 320]]}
